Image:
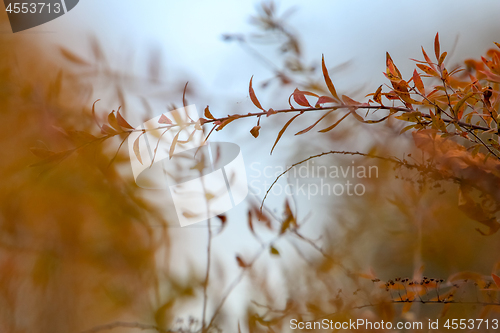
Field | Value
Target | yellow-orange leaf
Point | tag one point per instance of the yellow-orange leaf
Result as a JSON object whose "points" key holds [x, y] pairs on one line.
{"points": [[418, 82]]}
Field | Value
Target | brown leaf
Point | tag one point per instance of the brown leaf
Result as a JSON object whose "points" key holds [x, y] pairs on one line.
{"points": [[436, 46], [254, 99], [184, 101], [300, 98], [283, 131], [328, 81], [208, 114], [241, 263], [255, 131]]}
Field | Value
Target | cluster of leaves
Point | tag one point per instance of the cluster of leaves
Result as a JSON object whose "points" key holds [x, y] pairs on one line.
{"points": [[453, 115]]}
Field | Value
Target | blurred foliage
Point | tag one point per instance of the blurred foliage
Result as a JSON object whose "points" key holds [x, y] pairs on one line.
{"points": [[80, 246]]}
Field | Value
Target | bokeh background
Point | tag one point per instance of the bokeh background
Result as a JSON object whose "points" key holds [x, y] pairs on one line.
{"points": [[82, 245]]}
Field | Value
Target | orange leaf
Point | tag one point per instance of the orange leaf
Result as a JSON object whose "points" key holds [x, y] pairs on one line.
{"points": [[283, 131], [427, 69], [428, 59], [328, 81], [441, 58], [436, 46], [254, 99], [418, 82], [391, 68], [208, 114], [377, 97], [255, 131]]}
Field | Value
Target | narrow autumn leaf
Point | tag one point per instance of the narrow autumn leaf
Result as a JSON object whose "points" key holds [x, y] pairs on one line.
{"points": [[137, 151], [313, 125], [418, 82], [184, 101], [391, 68], [436, 46], [121, 121], [428, 59], [280, 134], [254, 99], [461, 102], [427, 69], [329, 128], [442, 57], [328, 81], [208, 114], [377, 97]]}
